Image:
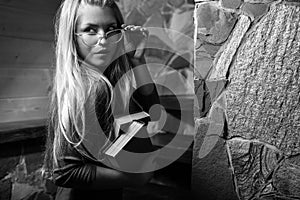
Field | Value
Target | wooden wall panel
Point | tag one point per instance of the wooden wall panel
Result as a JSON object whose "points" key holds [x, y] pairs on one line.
{"points": [[26, 24], [37, 6], [49, 66], [23, 109], [26, 59], [24, 82], [23, 51]]}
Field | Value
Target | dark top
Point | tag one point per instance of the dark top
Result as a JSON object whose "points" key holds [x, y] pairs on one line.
{"points": [[78, 166]]}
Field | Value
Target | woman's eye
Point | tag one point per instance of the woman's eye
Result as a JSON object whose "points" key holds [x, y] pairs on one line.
{"points": [[90, 30], [111, 28]]}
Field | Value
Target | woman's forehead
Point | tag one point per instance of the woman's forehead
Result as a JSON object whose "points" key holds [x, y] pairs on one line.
{"points": [[93, 14]]}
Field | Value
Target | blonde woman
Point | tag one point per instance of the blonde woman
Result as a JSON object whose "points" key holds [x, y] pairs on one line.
{"points": [[93, 71]]}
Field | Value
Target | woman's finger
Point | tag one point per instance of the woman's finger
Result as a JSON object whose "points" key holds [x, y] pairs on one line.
{"points": [[143, 30], [128, 27], [133, 27]]}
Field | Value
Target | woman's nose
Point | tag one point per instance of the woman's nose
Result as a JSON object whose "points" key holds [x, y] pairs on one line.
{"points": [[102, 37], [102, 40]]}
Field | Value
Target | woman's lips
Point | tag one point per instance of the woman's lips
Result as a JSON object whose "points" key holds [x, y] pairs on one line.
{"points": [[104, 51]]}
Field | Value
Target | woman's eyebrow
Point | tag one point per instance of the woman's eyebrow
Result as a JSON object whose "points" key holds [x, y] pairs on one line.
{"points": [[98, 25]]}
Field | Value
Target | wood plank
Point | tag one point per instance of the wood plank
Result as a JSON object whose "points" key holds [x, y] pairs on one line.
{"points": [[38, 6], [20, 82], [24, 51], [12, 126], [27, 66], [24, 24], [22, 109], [22, 134]]}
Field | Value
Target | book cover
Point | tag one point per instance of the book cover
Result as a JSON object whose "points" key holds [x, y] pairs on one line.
{"points": [[132, 136]]}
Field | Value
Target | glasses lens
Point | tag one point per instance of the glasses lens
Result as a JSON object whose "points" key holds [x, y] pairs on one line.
{"points": [[90, 39], [114, 36]]}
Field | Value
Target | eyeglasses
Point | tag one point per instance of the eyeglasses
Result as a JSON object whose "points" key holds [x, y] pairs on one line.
{"points": [[93, 39]]}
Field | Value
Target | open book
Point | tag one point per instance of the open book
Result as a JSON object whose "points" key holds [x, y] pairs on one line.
{"points": [[126, 128]]}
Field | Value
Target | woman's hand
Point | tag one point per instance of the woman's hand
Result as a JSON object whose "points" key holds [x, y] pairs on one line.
{"points": [[136, 40]]}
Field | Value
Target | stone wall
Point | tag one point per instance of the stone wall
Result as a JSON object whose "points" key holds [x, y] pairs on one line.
{"points": [[247, 144]]}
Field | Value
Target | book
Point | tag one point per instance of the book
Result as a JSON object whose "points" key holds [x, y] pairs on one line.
{"points": [[131, 137], [125, 120]]}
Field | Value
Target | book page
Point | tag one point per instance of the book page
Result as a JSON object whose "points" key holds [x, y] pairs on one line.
{"points": [[124, 139]]}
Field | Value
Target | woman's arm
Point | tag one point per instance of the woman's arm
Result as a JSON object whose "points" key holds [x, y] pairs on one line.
{"points": [[137, 42], [76, 173], [110, 178], [146, 93]]}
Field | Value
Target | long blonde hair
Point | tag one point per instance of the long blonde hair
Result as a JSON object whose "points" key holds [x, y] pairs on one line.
{"points": [[74, 83]]}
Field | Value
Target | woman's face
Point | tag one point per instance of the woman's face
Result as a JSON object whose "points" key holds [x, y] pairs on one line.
{"points": [[100, 20]]}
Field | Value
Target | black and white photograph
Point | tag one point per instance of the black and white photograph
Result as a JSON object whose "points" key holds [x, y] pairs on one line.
{"points": [[149, 99]]}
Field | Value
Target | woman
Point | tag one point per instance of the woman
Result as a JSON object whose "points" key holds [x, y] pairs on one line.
{"points": [[94, 71]]}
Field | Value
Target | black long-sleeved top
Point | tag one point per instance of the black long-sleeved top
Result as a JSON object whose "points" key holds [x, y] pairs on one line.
{"points": [[76, 170]]}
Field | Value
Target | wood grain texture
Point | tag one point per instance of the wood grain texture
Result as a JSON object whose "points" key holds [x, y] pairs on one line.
{"points": [[18, 82], [12, 126], [25, 24], [22, 109], [23, 133], [15, 51], [37, 6], [28, 66]]}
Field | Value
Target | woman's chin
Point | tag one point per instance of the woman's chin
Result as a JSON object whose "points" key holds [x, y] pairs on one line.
{"points": [[100, 64]]}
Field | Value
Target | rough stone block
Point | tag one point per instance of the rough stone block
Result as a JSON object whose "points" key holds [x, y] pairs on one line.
{"points": [[203, 66], [213, 23], [255, 11], [253, 164], [263, 93], [222, 65], [210, 49], [221, 101], [211, 173], [209, 142], [203, 102], [259, 1], [200, 1], [231, 4], [215, 129], [287, 177], [292, 2], [205, 55], [215, 88]]}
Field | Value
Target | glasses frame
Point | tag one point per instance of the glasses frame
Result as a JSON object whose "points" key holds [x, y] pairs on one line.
{"points": [[100, 36]]}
